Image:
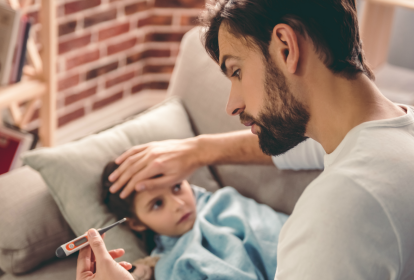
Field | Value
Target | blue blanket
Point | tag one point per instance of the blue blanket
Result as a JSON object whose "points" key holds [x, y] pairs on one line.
{"points": [[233, 237]]}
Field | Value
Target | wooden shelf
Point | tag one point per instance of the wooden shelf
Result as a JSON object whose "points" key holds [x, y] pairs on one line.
{"points": [[42, 85], [21, 92], [399, 3]]}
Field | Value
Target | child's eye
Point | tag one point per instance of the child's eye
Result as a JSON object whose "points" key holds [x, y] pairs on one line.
{"points": [[157, 204], [177, 188], [236, 74]]}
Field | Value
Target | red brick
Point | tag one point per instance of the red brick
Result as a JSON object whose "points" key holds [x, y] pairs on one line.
{"points": [[82, 59], [151, 85], [71, 116], [155, 20], [101, 70], [180, 3], [158, 69], [113, 31], [67, 27], [68, 82], [136, 7], [74, 43], [106, 101], [187, 20], [122, 46], [81, 95], [146, 54], [99, 17], [120, 79], [77, 6], [164, 37]]}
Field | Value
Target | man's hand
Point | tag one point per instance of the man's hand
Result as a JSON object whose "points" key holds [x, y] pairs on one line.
{"points": [[95, 262], [155, 164]]}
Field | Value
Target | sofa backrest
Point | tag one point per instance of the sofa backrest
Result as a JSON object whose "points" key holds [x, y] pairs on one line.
{"points": [[204, 90]]}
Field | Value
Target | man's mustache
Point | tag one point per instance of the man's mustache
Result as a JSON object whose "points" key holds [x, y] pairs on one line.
{"points": [[245, 117]]}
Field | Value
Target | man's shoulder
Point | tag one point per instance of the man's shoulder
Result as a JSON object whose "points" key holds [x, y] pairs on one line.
{"points": [[337, 191], [344, 224], [361, 191]]}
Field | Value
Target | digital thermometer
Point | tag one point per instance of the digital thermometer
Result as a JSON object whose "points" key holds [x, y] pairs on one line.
{"points": [[81, 242]]}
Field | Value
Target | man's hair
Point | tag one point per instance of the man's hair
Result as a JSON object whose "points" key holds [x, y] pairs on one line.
{"points": [[332, 25]]}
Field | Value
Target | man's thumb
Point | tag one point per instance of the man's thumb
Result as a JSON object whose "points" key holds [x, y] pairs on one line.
{"points": [[97, 244]]}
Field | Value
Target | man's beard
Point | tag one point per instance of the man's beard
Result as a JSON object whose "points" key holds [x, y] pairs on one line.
{"points": [[283, 119]]}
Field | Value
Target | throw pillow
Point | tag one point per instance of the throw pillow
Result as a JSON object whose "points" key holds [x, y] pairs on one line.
{"points": [[73, 171]]}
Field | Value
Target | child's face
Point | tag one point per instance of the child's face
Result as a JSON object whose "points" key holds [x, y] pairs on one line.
{"points": [[167, 211]]}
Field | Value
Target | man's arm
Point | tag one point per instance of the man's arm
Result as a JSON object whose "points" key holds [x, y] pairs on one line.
{"points": [[165, 163], [239, 147]]}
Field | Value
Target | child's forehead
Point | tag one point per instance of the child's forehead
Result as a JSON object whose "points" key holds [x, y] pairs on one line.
{"points": [[150, 194]]}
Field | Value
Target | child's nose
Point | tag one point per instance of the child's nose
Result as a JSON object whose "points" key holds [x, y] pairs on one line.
{"points": [[178, 202]]}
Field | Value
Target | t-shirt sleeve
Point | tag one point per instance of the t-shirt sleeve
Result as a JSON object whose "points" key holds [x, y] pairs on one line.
{"points": [[340, 232], [307, 155]]}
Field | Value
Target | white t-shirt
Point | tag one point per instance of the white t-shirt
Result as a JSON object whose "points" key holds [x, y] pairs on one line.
{"points": [[356, 220], [307, 155]]}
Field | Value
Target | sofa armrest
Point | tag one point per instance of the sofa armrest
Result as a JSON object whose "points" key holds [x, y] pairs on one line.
{"points": [[32, 226]]}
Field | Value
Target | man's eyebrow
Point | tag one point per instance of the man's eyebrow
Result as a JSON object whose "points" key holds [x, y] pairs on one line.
{"points": [[223, 63]]}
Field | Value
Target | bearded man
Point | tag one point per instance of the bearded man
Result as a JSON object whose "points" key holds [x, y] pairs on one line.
{"points": [[298, 71]]}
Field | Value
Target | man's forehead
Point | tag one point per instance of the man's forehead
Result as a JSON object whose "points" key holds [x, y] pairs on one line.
{"points": [[230, 46]]}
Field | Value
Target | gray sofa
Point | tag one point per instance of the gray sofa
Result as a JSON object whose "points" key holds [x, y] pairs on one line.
{"points": [[203, 90]]}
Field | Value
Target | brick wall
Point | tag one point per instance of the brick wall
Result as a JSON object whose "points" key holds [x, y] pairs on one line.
{"points": [[110, 49]]}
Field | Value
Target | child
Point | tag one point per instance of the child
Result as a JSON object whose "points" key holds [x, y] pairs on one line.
{"points": [[199, 234]]}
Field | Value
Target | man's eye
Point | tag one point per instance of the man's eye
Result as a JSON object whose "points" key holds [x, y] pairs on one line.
{"points": [[177, 188], [236, 73], [157, 204]]}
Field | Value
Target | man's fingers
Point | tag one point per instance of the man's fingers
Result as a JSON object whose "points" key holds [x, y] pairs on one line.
{"points": [[93, 267], [159, 182], [117, 253], [123, 173], [126, 265], [98, 246], [127, 178], [130, 152], [146, 174], [93, 257], [84, 261]]}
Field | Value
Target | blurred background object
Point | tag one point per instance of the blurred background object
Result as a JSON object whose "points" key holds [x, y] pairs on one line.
{"points": [[387, 28], [115, 57]]}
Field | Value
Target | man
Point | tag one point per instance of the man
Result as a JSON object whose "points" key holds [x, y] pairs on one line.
{"points": [[297, 70]]}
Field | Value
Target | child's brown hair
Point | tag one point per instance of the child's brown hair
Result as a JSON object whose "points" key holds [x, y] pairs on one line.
{"points": [[123, 208]]}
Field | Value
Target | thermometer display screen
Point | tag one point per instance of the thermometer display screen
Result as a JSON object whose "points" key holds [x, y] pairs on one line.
{"points": [[80, 241]]}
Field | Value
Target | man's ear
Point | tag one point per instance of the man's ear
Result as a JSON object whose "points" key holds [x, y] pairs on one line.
{"points": [[136, 225], [285, 45]]}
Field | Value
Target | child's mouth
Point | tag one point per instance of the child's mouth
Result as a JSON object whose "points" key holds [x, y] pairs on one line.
{"points": [[184, 217]]}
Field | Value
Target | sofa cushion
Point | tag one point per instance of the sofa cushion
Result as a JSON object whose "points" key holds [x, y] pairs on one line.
{"points": [[73, 171], [32, 226], [52, 270], [204, 90]]}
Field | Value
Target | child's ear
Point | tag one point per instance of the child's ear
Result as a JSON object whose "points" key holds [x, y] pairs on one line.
{"points": [[136, 225]]}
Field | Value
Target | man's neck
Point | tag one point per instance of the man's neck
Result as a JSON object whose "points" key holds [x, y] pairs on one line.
{"points": [[341, 104]]}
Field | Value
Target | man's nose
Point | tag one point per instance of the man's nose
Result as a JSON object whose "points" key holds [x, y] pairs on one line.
{"points": [[235, 103]]}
